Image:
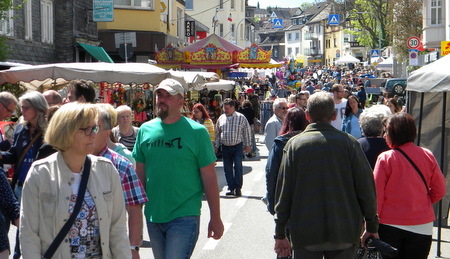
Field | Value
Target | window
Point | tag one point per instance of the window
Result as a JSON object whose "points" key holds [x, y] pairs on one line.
{"points": [[232, 4], [28, 21], [436, 12], [221, 4], [47, 21], [147, 4], [7, 25], [294, 22], [221, 29], [297, 51], [297, 35], [189, 4], [335, 42], [289, 36], [232, 31], [289, 51], [346, 39], [180, 22]]}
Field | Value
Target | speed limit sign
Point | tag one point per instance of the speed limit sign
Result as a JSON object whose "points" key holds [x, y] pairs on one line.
{"points": [[413, 42]]}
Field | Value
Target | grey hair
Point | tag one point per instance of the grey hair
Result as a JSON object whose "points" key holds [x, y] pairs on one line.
{"points": [[105, 116], [277, 102], [6, 98], [38, 102], [371, 120], [321, 107], [123, 108]]}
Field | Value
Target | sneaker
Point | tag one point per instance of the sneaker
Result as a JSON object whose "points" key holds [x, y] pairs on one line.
{"points": [[238, 193], [230, 193]]}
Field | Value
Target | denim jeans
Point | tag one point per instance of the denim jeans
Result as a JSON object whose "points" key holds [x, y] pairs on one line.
{"points": [[233, 155], [175, 239]]}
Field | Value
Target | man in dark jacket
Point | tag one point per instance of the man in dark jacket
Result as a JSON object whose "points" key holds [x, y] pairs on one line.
{"points": [[327, 200]]}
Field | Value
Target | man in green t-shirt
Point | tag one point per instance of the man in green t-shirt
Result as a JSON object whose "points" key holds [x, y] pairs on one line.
{"points": [[176, 164]]}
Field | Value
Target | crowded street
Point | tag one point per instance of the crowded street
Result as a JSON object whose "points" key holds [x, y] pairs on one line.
{"points": [[248, 225]]}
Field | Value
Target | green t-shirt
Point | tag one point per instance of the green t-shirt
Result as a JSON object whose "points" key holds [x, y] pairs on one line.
{"points": [[173, 155]]}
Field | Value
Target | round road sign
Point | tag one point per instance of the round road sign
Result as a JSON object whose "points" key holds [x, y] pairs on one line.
{"points": [[413, 42]]}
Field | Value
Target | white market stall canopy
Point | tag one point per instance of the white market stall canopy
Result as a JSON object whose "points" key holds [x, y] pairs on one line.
{"points": [[138, 73], [386, 64], [196, 79], [225, 85], [347, 59], [434, 77]]}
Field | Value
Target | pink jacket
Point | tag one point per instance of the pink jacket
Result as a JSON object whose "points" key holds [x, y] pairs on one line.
{"points": [[402, 198]]}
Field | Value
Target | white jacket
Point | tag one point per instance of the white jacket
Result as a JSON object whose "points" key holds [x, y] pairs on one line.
{"points": [[45, 205]]}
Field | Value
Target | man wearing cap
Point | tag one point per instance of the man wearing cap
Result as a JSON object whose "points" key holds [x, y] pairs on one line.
{"points": [[254, 99], [176, 165]]}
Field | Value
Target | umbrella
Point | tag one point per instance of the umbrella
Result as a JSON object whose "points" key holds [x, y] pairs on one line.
{"points": [[347, 59], [386, 64], [138, 73]]}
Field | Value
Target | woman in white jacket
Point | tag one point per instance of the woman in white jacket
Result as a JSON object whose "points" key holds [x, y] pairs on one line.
{"points": [[51, 188]]}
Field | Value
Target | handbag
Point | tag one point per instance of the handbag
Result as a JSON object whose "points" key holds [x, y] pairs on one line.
{"points": [[65, 229], [415, 167], [256, 125]]}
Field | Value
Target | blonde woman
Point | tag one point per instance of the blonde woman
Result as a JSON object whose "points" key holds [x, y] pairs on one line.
{"points": [[51, 190]]}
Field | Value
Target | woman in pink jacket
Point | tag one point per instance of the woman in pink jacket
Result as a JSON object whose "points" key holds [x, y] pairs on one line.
{"points": [[405, 196]]}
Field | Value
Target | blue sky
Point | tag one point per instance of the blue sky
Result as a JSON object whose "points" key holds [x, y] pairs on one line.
{"points": [[279, 3]]}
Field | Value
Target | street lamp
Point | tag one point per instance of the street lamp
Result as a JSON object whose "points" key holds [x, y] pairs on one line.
{"points": [[237, 27]]}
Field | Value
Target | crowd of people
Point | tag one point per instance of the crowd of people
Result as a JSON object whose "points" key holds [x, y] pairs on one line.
{"points": [[82, 171]]}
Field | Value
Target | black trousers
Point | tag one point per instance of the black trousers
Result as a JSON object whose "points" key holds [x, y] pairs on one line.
{"points": [[410, 245]]}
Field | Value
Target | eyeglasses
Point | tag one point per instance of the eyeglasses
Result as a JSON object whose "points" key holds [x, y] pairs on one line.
{"points": [[25, 108], [283, 108], [89, 130], [6, 107]]}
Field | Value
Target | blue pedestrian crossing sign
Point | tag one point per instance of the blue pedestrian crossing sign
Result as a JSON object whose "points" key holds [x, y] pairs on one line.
{"points": [[277, 23], [375, 53], [333, 19]]}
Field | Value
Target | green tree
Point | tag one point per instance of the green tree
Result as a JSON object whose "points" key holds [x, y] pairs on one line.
{"points": [[368, 18], [406, 22]]}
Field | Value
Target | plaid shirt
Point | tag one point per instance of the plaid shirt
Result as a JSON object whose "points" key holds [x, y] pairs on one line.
{"points": [[133, 191]]}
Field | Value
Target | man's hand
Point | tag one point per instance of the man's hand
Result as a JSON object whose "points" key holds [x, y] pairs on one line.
{"points": [[247, 149], [366, 236], [215, 229], [282, 247]]}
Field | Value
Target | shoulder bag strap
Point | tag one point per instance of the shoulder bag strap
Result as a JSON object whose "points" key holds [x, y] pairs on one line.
{"points": [[415, 167], [29, 146], [65, 229]]}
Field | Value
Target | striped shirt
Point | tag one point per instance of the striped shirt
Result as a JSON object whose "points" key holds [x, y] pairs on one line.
{"points": [[232, 130], [133, 191], [127, 141]]}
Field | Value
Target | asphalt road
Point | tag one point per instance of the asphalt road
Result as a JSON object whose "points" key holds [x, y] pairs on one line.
{"points": [[248, 225]]}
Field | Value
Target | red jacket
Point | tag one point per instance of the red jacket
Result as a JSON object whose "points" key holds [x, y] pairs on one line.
{"points": [[402, 197]]}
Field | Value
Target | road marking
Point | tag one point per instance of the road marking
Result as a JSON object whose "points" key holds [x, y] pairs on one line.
{"points": [[212, 243], [241, 201], [259, 176]]}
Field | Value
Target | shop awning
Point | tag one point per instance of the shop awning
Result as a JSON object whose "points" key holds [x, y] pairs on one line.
{"points": [[97, 52]]}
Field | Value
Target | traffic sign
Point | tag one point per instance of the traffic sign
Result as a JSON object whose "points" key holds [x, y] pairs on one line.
{"points": [[413, 42], [413, 57], [333, 19], [277, 23], [375, 53]]}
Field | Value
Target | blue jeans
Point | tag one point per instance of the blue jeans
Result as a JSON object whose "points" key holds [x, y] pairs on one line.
{"points": [[175, 239], [233, 155]]}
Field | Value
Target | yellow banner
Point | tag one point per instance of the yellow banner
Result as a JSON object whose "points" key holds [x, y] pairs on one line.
{"points": [[445, 48]]}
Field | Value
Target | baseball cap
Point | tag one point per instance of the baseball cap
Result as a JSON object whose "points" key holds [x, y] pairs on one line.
{"points": [[172, 86], [250, 90]]}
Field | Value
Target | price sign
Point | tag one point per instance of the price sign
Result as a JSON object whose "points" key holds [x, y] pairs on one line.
{"points": [[413, 42]]}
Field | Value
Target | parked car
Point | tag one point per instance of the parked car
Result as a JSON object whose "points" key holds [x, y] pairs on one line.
{"points": [[394, 86]]}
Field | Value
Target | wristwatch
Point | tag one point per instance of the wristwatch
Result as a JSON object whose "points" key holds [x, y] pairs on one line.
{"points": [[135, 248], [279, 236]]}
